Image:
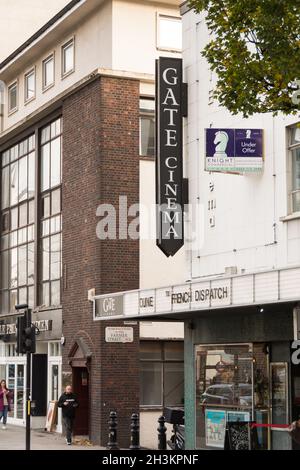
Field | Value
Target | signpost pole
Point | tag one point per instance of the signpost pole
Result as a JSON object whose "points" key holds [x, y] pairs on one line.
{"points": [[28, 383]]}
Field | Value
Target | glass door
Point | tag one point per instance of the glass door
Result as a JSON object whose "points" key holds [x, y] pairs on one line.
{"points": [[54, 386], [16, 384], [279, 403], [20, 389]]}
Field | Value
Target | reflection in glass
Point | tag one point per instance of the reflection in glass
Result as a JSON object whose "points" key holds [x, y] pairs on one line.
{"points": [[54, 382], [5, 188], [45, 156], [223, 381], [14, 184], [173, 384], [55, 162], [151, 381], [55, 293], [22, 179]]}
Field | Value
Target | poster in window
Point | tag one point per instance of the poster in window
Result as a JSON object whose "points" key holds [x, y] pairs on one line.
{"points": [[215, 424], [235, 416]]}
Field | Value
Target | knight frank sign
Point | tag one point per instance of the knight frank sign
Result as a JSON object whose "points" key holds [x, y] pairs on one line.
{"points": [[169, 194], [234, 150]]}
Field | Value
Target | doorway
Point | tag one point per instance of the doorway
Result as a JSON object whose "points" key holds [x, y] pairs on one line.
{"points": [[81, 389]]}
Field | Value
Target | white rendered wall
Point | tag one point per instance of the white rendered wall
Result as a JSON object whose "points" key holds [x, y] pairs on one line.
{"points": [[248, 208], [19, 19]]}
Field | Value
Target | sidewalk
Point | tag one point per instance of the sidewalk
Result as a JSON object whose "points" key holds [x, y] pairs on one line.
{"points": [[14, 439]]}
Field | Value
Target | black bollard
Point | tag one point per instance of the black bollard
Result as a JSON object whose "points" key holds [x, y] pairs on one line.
{"points": [[162, 437], [113, 424], [135, 432]]}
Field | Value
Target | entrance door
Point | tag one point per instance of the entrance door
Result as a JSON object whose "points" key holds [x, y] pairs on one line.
{"points": [[81, 389], [16, 383], [279, 404]]}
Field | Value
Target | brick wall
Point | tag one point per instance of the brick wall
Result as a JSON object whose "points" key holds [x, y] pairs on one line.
{"points": [[100, 162]]}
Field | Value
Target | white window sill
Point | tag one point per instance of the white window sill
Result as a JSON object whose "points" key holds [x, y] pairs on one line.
{"points": [[287, 218]]}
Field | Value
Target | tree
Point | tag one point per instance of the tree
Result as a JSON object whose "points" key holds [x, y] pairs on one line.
{"points": [[255, 51]]}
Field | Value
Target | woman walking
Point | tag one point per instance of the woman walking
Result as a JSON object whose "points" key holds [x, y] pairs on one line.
{"points": [[5, 401]]}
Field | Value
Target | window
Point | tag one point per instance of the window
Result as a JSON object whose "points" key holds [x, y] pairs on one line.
{"points": [[30, 85], [295, 168], [169, 33], [10, 350], [55, 349], [50, 234], [161, 373], [48, 72], [13, 97], [224, 382], [17, 225], [147, 127], [68, 58]]}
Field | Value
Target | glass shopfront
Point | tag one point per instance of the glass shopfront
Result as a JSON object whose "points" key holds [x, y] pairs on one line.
{"points": [[14, 374], [232, 384]]}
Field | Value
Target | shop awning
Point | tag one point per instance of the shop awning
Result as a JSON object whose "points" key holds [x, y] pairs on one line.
{"points": [[179, 301]]}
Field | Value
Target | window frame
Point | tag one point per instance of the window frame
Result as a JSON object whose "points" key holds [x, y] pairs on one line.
{"points": [[31, 71], [42, 194], [27, 227], [44, 62], [14, 141], [163, 361], [62, 49], [158, 38], [13, 84], [291, 191], [143, 114]]}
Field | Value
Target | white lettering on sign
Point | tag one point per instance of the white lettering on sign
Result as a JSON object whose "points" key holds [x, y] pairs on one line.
{"points": [[121, 334], [169, 155], [11, 328], [109, 304]]}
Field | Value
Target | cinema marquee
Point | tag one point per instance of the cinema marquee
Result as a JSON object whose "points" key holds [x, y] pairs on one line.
{"points": [[169, 173]]}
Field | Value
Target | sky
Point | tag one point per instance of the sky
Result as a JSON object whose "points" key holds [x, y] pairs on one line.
{"points": [[19, 19]]}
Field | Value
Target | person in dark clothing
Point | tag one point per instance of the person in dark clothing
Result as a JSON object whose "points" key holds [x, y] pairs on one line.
{"points": [[68, 403], [294, 431]]}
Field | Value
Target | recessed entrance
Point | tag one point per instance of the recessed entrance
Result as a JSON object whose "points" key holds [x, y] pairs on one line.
{"points": [[80, 361], [81, 389]]}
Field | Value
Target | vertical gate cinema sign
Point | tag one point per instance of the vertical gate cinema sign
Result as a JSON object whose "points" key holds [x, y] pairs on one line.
{"points": [[169, 200]]}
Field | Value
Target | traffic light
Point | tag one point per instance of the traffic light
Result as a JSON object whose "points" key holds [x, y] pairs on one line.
{"points": [[25, 336]]}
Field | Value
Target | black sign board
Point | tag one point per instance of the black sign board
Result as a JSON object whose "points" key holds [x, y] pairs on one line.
{"points": [[240, 435], [170, 108]]}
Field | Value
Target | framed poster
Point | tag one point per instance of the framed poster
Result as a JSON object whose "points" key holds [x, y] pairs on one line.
{"points": [[235, 416], [51, 416], [215, 425]]}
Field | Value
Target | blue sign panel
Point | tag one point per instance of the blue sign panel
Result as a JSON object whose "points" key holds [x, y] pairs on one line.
{"points": [[234, 150]]}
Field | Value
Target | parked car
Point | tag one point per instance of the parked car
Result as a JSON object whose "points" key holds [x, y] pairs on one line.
{"points": [[223, 394]]}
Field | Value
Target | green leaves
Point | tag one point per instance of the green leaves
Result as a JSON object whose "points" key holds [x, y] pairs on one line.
{"points": [[255, 52]]}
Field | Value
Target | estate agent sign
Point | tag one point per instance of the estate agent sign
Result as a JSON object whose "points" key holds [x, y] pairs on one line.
{"points": [[169, 113], [234, 150]]}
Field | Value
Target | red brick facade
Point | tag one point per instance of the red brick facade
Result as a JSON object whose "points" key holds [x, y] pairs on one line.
{"points": [[100, 162]]}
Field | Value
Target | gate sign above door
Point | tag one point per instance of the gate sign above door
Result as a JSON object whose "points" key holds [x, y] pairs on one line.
{"points": [[169, 178]]}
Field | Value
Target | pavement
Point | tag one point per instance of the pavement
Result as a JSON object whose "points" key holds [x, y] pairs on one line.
{"points": [[13, 438]]}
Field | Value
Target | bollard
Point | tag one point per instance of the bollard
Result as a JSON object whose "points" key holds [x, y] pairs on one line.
{"points": [[162, 437], [113, 424], [135, 432]]}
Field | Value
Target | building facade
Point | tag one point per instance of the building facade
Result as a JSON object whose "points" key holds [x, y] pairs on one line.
{"points": [[240, 299], [77, 133]]}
